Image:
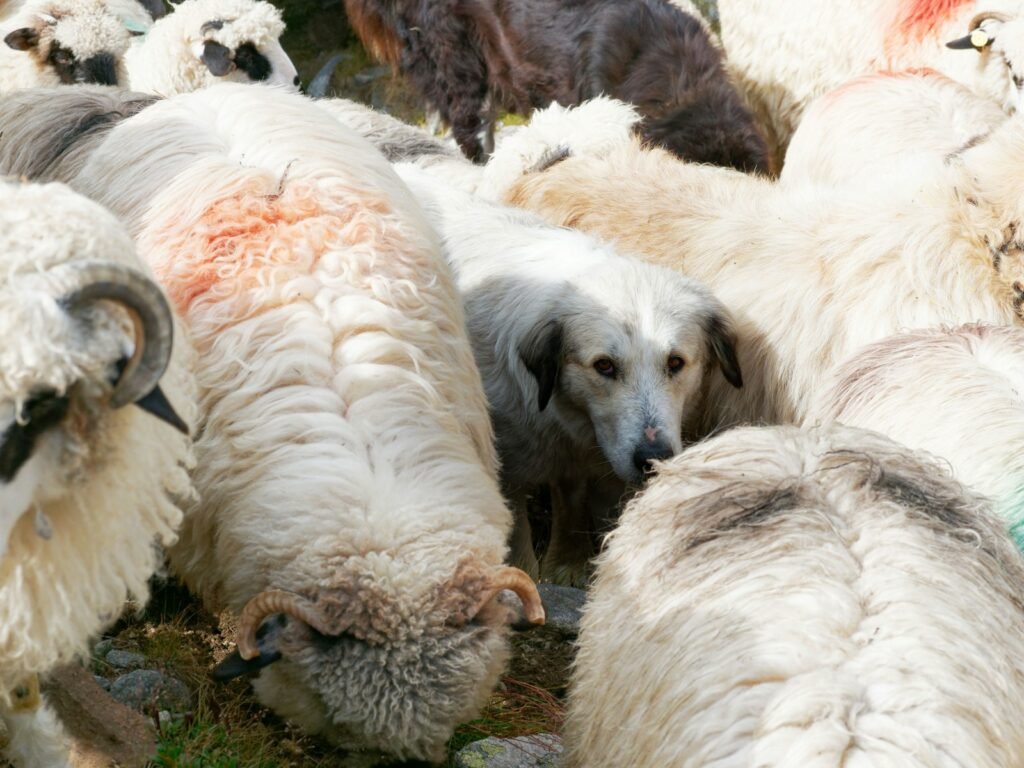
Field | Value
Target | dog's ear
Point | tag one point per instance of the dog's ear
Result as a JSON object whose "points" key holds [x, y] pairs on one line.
{"points": [[541, 353], [722, 345]]}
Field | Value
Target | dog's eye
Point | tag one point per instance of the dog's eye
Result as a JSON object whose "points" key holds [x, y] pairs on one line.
{"points": [[675, 364], [605, 367]]}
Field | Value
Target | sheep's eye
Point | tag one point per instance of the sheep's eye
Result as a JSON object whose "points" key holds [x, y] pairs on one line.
{"points": [[605, 367], [675, 364]]}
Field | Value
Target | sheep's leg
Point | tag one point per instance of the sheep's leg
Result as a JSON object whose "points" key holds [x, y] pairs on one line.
{"points": [[521, 544], [36, 736], [567, 559]]}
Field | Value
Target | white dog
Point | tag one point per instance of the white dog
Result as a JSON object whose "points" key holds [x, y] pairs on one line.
{"points": [[594, 363]]}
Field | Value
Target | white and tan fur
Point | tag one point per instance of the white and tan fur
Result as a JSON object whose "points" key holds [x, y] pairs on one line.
{"points": [[83, 520], [799, 598], [884, 127], [545, 307], [957, 393], [345, 451], [810, 274]]}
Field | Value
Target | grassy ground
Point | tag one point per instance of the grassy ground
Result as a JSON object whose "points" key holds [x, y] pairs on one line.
{"points": [[229, 729]]}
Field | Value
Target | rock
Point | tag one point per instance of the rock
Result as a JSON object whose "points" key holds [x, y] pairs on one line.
{"points": [[102, 682], [102, 648], [102, 733], [125, 660], [148, 691], [540, 751]]}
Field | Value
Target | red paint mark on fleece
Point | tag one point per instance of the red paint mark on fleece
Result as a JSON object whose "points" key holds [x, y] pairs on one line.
{"points": [[916, 20], [837, 94]]}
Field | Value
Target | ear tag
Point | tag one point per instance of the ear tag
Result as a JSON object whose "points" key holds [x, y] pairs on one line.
{"points": [[980, 38], [140, 29]]}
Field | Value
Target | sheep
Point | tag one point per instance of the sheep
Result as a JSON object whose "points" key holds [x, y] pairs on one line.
{"points": [[206, 41], [457, 53], [882, 125], [810, 274], [346, 464], [88, 487], [594, 364], [817, 45], [969, 412], [793, 597], [53, 42]]}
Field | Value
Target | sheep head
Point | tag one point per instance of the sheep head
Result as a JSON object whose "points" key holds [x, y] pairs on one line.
{"points": [[999, 38], [87, 337], [74, 41], [392, 664]]}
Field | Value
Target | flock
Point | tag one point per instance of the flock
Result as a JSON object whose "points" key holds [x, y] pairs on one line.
{"points": [[738, 318]]}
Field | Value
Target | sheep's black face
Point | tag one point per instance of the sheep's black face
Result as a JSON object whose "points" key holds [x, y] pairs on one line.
{"points": [[98, 70], [40, 414], [252, 62]]}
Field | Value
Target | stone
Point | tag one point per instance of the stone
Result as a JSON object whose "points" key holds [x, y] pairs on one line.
{"points": [[125, 660], [148, 691], [102, 648], [540, 751], [102, 682]]}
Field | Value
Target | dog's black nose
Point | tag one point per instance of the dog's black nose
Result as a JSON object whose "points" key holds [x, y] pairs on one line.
{"points": [[645, 454]]}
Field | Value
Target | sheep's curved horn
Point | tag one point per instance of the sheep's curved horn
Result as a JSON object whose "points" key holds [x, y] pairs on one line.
{"points": [[268, 603], [519, 582], [985, 16], [150, 314]]}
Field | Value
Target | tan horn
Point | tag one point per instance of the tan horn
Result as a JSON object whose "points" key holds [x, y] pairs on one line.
{"points": [[266, 604], [985, 15], [519, 582]]}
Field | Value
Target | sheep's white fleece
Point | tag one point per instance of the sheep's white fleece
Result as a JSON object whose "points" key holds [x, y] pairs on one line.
{"points": [[956, 393], [802, 599]]}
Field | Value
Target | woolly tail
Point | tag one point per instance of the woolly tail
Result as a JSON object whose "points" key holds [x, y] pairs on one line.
{"points": [[593, 128]]}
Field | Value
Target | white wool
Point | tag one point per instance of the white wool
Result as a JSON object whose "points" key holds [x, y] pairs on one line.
{"points": [[883, 126], [789, 598], [956, 393], [811, 274], [168, 59], [599, 124], [109, 482], [785, 58]]}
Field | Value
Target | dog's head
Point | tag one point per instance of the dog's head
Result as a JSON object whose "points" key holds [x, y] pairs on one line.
{"points": [[625, 358]]}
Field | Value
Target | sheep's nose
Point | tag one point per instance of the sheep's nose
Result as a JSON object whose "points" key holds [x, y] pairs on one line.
{"points": [[296, 81], [645, 454]]}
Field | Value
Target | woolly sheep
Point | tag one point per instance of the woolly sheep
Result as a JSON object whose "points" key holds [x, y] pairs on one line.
{"points": [[885, 125], [956, 393], [594, 363], [87, 487], [785, 60], [208, 41], [345, 456], [810, 274], [54, 42], [801, 598]]}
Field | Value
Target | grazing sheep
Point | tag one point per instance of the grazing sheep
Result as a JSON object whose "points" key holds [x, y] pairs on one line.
{"points": [[345, 457], [207, 41], [785, 58], [594, 364], [61, 42], [802, 598], [88, 488], [456, 53], [810, 274], [882, 125], [956, 393]]}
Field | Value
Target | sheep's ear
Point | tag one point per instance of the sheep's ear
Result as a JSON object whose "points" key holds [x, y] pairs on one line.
{"points": [[722, 344], [979, 40], [217, 58], [267, 638], [541, 353], [23, 39]]}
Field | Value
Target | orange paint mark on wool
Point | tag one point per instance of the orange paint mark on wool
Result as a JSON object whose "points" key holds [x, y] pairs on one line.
{"points": [[916, 20], [253, 240], [841, 91]]}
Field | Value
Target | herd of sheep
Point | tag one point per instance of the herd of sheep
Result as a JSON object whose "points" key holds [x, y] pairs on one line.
{"points": [[751, 343]]}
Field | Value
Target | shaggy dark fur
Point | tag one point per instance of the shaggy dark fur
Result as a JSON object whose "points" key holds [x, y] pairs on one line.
{"points": [[529, 53]]}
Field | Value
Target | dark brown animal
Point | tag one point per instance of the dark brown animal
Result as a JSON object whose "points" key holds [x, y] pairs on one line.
{"points": [[530, 53]]}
